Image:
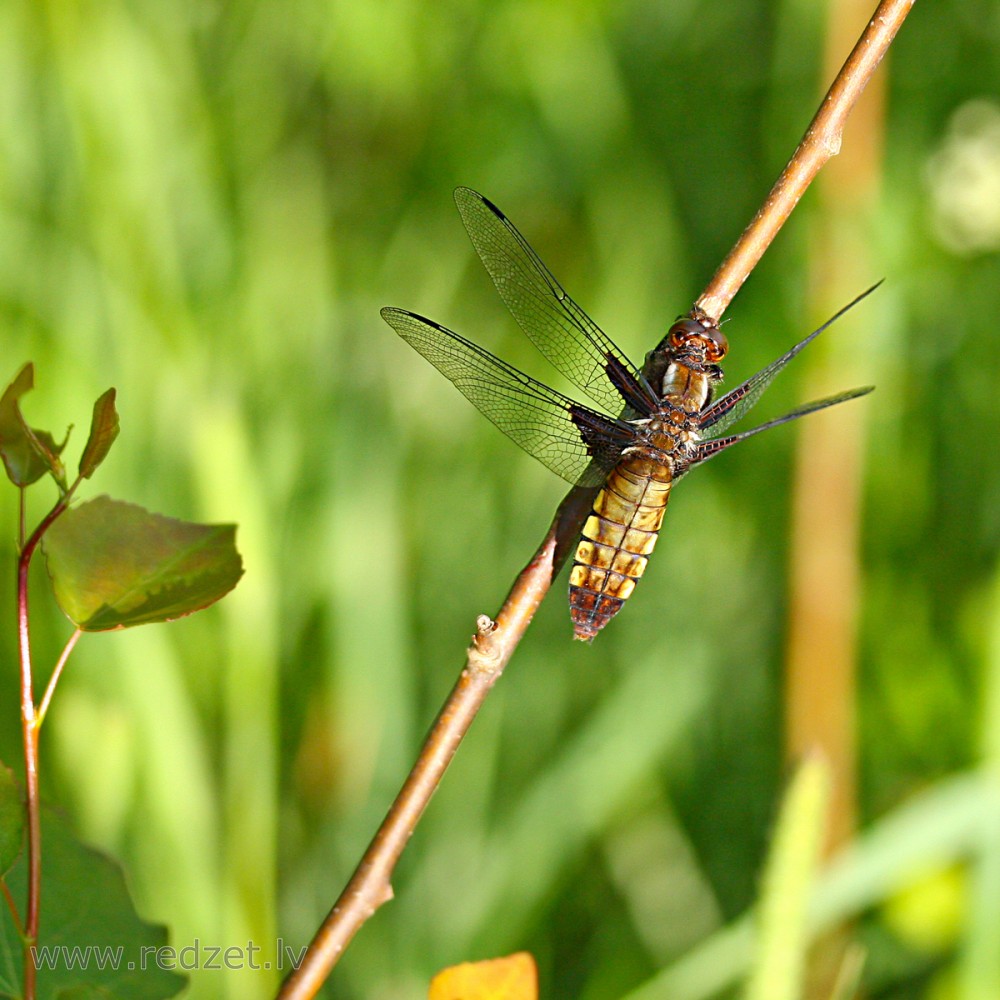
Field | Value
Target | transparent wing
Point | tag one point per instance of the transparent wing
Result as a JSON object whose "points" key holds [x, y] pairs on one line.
{"points": [[554, 323], [575, 442], [711, 447], [736, 403]]}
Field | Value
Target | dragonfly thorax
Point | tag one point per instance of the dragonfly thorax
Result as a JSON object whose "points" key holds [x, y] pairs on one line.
{"points": [[669, 440], [688, 387]]}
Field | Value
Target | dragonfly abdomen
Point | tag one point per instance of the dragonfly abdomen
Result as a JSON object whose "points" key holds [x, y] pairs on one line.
{"points": [[616, 541]]}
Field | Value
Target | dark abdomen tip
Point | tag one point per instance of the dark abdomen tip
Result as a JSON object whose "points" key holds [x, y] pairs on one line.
{"points": [[590, 612]]}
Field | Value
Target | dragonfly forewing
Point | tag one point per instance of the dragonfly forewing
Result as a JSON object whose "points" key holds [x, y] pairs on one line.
{"points": [[575, 442], [571, 341]]}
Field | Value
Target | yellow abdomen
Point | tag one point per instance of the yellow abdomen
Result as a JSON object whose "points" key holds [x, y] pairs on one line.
{"points": [[616, 542]]}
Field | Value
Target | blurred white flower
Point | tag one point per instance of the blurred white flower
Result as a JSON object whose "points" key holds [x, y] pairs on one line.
{"points": [[964, 179]]}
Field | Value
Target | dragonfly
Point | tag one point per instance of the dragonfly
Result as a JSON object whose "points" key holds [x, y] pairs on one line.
{"points": [[649, 426]]}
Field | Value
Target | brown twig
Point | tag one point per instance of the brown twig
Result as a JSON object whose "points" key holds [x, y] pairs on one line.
{"points": [[492, 646], [495, 643], [821, 141]]}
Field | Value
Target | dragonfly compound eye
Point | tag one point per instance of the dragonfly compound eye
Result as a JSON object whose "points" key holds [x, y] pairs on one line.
{"points": [[717, 346], [711, 338]]}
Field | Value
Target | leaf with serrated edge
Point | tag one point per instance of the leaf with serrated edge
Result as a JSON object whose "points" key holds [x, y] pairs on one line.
{"points": [[85, 905], [514, 977], [103, 431], [27, 453], [114, 565], [11, 820]]}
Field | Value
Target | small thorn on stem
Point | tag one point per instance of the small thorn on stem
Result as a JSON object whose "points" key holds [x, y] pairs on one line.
{"points": [[484, 656]]}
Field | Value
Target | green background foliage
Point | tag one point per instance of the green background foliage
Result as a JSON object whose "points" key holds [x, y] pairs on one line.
{"points": [[205, 205]]}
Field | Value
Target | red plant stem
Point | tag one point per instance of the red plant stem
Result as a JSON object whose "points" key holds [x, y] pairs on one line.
{"points": [[370, 886], [29, 736], [12, 906]]}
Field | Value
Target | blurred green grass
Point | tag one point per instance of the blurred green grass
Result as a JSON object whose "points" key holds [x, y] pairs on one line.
{"points": [[205, 205]]}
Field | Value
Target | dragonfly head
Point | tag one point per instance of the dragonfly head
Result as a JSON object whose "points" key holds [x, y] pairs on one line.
{"points": [[689, 340], [684, 366]]}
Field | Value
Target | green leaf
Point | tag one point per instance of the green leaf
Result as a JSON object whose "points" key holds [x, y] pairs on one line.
{"points": [[783, 921], [27, 453], [85, 906], [85, 992], [11, 820], [103, 431], [114, 565]]}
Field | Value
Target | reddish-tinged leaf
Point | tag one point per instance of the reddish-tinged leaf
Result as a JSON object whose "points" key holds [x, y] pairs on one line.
{"points": [[27, 453], [115, 564], [512, 978], [11, 820], [103, 431]]}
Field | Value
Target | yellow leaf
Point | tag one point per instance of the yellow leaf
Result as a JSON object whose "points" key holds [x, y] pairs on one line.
{"points": [[512, 978]]}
